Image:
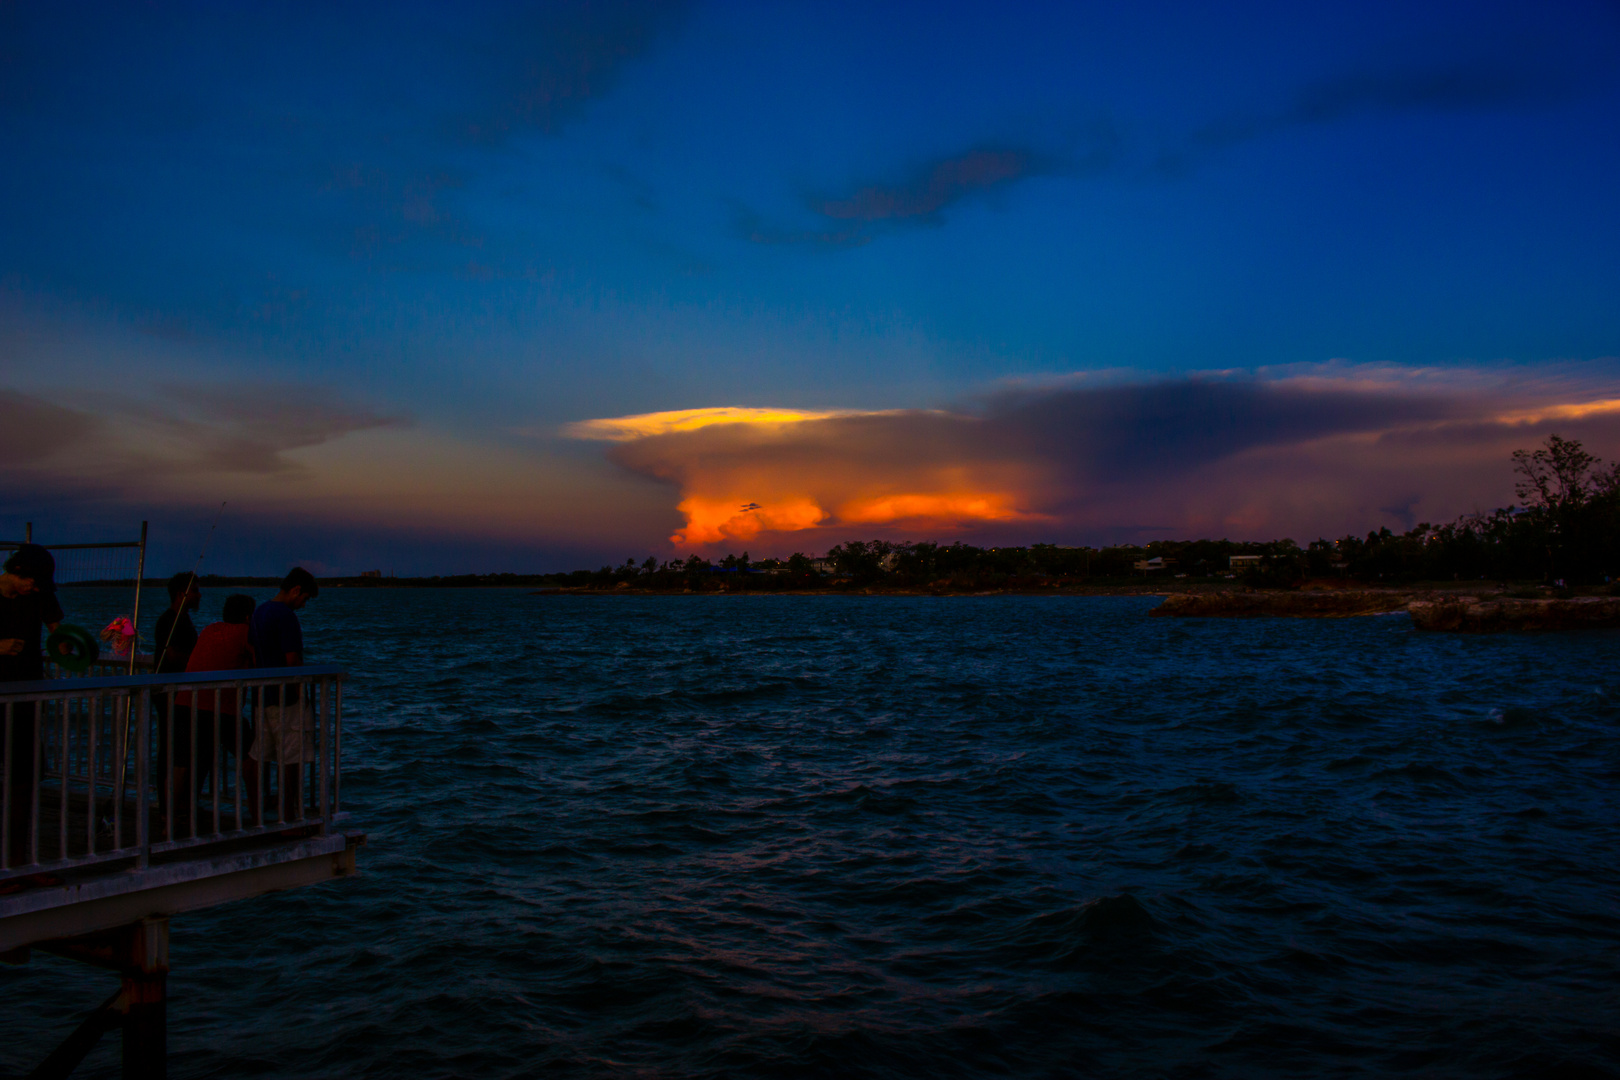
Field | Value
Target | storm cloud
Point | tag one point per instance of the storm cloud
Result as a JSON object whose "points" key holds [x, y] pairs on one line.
{"points": [[1245, 457]]}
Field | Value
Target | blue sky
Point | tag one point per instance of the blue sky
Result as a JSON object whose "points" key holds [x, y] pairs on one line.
{"points": [[356, 269]]}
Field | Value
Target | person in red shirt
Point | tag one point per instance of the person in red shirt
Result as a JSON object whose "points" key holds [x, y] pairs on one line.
{"points": [[223, 646]]}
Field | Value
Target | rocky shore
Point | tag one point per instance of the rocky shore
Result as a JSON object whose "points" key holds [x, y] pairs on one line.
{"points": [[1481, 615], [1429, 611], [1298, 605]]}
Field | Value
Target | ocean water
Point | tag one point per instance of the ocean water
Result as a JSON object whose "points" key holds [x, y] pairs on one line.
{"points": [[920, 837]]}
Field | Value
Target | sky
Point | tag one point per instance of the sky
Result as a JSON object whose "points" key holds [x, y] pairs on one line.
{"points": [[442, 288]]}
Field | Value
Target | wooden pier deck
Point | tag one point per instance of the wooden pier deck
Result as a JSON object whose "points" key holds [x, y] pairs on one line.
{"points": [[90, 900]]}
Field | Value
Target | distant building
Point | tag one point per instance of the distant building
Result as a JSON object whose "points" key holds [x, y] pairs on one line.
{"points": [[889, 561], [371, 573], [823, 566], [1245, 562], [1149, 565]]}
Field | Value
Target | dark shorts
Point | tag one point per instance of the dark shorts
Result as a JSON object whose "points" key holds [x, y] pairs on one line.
{"points": [[205, 737]]}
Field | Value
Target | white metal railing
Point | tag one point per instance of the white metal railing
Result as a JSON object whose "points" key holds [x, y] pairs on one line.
{"points": [[98, 770]]}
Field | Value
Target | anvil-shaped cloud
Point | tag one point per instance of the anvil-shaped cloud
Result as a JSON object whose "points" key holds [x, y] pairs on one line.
{"points": [[1309, 452]]}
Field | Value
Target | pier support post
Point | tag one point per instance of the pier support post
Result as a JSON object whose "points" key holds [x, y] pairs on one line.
{"points": [[140, 954], [146, 1002]]}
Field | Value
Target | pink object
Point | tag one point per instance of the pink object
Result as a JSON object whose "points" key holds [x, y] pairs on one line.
{"points": [[119, 635]]}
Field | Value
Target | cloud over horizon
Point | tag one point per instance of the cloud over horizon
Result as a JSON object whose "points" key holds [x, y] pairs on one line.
{"points": [[1301, 454], [110, 440], [309, 475]]}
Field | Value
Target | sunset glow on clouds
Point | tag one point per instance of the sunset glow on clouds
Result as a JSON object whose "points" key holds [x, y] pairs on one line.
{"points": [[898, 469], [1312, 453]]}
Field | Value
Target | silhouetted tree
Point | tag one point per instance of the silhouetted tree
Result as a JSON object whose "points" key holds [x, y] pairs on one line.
{"points": [[1569, 499]]}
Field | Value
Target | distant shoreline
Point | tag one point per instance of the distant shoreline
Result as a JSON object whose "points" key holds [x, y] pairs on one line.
{"points": [[1454, 606], [538, 585], [1402, 593]]}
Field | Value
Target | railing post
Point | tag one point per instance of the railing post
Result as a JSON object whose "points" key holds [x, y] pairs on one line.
{"points": [[305, 705], [216, 771], [260, 726], [320, 754], [93, 718], [62, 748], [5, 790], [337, 745], [241, 752], [166, 766], [120, 722], [34, 717], [191, 770], [143, 749]]}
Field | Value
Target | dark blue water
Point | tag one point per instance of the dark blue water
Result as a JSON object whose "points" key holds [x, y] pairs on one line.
{"points": [[885, 837]]}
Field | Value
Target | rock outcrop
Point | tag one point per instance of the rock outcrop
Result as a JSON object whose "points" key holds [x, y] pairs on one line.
{"points": [[1477, 615], [1296, 605]]}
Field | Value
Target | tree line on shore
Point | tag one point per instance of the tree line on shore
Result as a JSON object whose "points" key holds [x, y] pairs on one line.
{"points": [[1565, 530]]}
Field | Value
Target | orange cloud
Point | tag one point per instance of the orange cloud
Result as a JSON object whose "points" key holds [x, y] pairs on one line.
{"points": [[1567, 411], [934, 509], [742, 473], [642, 425], [709, 521]]}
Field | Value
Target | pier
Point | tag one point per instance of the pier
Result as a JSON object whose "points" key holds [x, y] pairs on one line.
{"points": [[125, 803]]}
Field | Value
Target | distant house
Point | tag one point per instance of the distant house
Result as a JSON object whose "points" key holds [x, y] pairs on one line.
{"points": [[823, 566], [889, 561], [1245, 562], [1149, 565]]}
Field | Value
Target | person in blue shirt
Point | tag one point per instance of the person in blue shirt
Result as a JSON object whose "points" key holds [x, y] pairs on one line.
{"points": [[286, 735]]}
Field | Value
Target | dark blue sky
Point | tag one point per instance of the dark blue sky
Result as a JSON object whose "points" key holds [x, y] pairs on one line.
{"points": [[355, 268]]}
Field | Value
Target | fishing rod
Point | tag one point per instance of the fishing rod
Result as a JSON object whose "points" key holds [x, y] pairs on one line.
{"points": [[157, 661]]}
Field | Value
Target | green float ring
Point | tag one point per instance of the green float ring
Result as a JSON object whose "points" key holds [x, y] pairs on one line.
{"points": [[72, 647]]}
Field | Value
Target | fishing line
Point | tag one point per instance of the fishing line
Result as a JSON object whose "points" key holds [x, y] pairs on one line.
{"points": [[158, 659]]}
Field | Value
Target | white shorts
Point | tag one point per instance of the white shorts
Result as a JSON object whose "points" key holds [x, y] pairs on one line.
{"points": [[277, 736]]}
